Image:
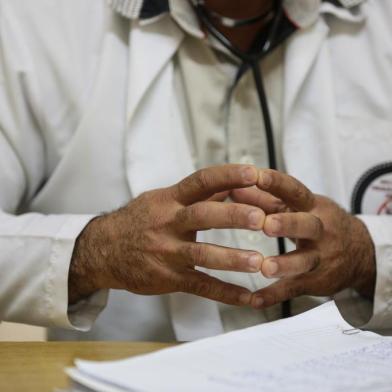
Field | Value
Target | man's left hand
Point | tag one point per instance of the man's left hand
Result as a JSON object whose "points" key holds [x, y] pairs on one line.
{"points": [[334, 250]]}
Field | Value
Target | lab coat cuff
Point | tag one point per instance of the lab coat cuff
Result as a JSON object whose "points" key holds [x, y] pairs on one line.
{"points": [[380, 229], [82, 315]]}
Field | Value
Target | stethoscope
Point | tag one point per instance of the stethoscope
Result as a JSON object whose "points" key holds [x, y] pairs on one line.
{"points": [[251, 60]]}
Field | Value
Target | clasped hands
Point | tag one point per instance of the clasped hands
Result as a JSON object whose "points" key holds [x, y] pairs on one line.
{"points": [[149, 246]]}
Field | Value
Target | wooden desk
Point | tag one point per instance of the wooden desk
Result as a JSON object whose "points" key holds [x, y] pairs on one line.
{"points": [[39, 367]]}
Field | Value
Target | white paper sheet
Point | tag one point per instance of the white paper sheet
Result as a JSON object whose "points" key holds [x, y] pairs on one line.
{"points": [[317, 350]]}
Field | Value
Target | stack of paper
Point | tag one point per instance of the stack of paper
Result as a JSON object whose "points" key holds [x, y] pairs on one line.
{"points": [[315, 351]]}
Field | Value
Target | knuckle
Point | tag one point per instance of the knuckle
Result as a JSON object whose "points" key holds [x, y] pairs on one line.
{"points": [[199, 212], [145, 201], [293, 291], [301, 193], [193, 214], [198, 254], [196, 213], [273, 224], [319, 228], [310, 290], [182, 216], [274, 177], [234, 260], [154, 245], [305, 264], [219, 293], [148, 195], [233, 213], [238, 194], [272, 297], [186, 252], [298, 191], [199, 287], [201, 179], [292, 223], [279, 206], [311, 198], [314, 262], [175, 282], [180, 189], [167, 247], [271, 172]]}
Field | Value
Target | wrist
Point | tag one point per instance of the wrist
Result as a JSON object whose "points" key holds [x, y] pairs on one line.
{"points": [[83, 272], [365, 259]]}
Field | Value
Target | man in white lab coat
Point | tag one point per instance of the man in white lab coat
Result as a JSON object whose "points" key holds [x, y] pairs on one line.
{"points": [[101, 102]]}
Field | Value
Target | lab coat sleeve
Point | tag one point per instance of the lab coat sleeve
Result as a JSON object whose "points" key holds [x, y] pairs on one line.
{"points": [[377, 314], [35, 254], [380, 229], [35, 249]]}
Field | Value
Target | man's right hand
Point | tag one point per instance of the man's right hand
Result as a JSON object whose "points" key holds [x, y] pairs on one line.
{"points": [[149, 246]]}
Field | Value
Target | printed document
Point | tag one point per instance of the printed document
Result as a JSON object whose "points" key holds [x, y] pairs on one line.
{"points": [[315, 351]]}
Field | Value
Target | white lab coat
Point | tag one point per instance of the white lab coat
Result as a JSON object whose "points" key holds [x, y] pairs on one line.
{"points": [[88, 121]]}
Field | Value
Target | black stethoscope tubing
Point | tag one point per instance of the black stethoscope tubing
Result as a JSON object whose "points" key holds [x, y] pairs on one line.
{"points": [[252, 60]]}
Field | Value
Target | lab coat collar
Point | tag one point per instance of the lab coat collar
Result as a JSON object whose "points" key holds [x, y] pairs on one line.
{"points": [[354, 14], [303, 13], [143, 70], [301, 51], [304, 46], [151, 50], [140, 9]]}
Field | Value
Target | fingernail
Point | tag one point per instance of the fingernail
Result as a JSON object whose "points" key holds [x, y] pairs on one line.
{"points": [[249, 175], [265, 180], [254, 262], [258, 302], [255, 219], [245, 298], [271, 268]]}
